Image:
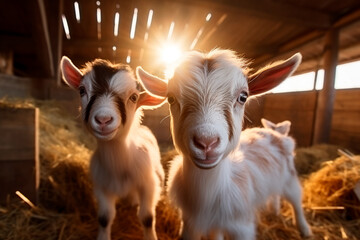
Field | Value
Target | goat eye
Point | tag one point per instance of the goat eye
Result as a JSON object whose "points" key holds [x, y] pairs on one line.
{"points": [[242, 98], [171, 100], [82, 91], [134, 98]]}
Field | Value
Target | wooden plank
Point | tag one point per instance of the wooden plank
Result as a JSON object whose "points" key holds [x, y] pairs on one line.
{"points": [[12, 86], [301, 123], [53, 15], [18, 176], [37, 12], [280, 11], [295, 100], [306, 39], [347, 121], [19, 152], [348, 19], [349, 140], [18, 130], [292, 46], [347, 100]]}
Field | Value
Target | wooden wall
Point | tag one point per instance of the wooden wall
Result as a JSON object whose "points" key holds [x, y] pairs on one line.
{"points": [[299, 108], [345, 129]]}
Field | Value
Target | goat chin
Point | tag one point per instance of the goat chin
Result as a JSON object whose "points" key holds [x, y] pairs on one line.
{"points": [[206, 163], [105, 135]]}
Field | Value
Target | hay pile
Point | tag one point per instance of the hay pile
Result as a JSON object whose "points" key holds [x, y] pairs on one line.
{"points": [[330, 203], [67, 209], [308, 160]]}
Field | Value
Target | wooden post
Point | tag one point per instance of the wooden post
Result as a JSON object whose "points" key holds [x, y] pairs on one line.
{"points": [[326, 96], [19, 153], [60, 42]]}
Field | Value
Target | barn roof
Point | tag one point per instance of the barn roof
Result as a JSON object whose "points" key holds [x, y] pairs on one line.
{"points": [[261, 30]]}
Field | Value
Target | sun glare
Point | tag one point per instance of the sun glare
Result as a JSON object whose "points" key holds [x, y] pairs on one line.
{"points": [[169, 55]]}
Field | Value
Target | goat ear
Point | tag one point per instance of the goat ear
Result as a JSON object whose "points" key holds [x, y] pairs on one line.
{"points": [[151, 83], [271, 76], [70, 73], [148, 101], [283, 127], [267, 124]]}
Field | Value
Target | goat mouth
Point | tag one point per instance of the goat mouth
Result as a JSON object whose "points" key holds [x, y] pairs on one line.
{"points": [[106, 134], [206, 163]]}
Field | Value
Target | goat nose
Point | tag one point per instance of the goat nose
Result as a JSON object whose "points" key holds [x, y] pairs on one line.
{"points": [[103, 120], [206, 144]]}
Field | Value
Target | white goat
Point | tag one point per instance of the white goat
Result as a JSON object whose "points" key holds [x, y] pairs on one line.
{"points": [[273, 138], [126, 161], [216, 182]]}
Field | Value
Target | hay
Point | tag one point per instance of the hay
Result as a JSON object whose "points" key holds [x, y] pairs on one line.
{"points": [[333, 186], [67, 209], [308, 160]]}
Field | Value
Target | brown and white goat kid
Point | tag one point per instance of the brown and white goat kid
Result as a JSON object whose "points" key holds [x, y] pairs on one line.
{"points": [[273, 138], [126, 161], [215, 182]]}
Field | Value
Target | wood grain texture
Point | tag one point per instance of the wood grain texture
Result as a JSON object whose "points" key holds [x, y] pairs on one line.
{"points": [[19, 152]]}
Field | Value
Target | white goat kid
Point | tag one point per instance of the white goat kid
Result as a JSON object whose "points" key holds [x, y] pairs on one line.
{"points": [[126, 161], [273, 138], [215, 182]]}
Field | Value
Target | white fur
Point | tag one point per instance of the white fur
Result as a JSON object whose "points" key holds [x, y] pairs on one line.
{"points": [[218, 191]]}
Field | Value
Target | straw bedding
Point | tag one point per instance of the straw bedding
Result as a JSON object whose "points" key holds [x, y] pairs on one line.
{"points": [[67, 209]]}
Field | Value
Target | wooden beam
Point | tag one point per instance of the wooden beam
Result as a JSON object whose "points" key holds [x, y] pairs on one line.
{"points": [[348, 19], [59, 46], [326, 96], [46, 37], [41, 37], [305, 40], [291, 46], [279, 11], [124, 42]]}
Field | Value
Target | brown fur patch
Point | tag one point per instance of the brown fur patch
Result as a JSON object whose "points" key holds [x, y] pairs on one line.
{"points": [[210, 64], [187, 110], [229, 121], [263, 162]]}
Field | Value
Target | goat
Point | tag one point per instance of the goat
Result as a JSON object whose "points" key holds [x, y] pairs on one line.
{"points": [[272, 138], [126, 161], [217, 183]]}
